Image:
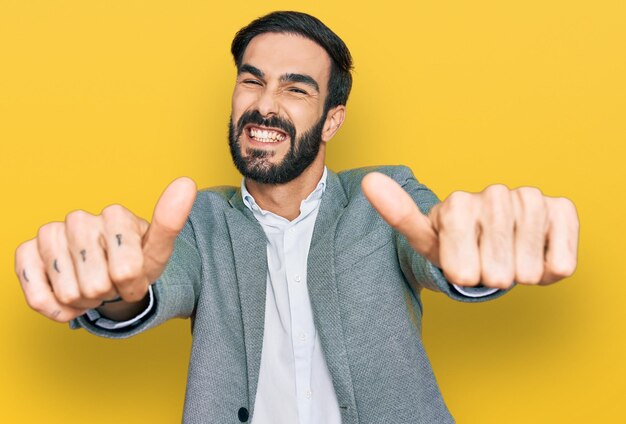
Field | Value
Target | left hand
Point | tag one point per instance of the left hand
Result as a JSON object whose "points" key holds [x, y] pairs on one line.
{"points": [[494, 238]]}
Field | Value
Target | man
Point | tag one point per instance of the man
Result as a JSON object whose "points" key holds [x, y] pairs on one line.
{"points": [[304, 299]]}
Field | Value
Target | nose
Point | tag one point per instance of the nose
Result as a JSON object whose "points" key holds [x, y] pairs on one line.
{"points": [[267, 104]]}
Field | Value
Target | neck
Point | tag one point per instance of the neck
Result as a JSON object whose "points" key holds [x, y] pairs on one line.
{"points": [[284, 199]]}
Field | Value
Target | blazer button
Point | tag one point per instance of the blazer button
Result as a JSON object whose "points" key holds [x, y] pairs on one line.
{"points": [[243, 414]]}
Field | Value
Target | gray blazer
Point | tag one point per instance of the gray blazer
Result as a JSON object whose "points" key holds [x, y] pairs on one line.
{"points": [[364, 282]]}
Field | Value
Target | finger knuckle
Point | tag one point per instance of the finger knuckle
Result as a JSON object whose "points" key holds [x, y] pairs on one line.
{"points": [[81, 223], [496, 197], [566, 208], [564, 203], [458, 199], [95, 290], [165, 228], [78, 218], [531, 201], [528, 276], [454, 211], [68, 297], [135, 294], [498, 283], [50, 231], [37, 302], [560, 204], [563, 268], [527, 193], [24, 248], [496, 190], [463, 277], [497, 277], [126, 272], [114, 212], [156, 260], [62, 317]]}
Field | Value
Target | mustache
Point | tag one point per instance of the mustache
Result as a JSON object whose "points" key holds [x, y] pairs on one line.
{"points": [[274, 121]]}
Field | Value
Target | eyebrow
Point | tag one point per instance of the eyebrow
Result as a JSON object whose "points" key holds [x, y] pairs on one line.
{"points": [[298, 78], [301, 78], [251, 70]]}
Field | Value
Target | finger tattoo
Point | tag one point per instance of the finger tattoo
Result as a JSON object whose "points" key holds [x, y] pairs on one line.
{"points": [[24, 275], [83, 253], [55, 265], [119, 239]]}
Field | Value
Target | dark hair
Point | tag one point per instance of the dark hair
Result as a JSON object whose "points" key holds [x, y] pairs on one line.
{"points": [[340, 79]]}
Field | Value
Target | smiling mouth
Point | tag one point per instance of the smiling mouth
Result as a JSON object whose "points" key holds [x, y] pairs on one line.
{"points": [[265, 135]]}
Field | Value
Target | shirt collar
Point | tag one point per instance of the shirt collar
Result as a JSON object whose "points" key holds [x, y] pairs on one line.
{"points": [[307, 205]]}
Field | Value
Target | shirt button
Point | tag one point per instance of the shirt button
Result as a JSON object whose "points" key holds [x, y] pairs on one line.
{"points": [[243, 415], [292, 230], [297, 278], [302, 337], [308, 394]]}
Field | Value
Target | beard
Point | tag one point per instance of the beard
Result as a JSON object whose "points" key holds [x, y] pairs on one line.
{"points": [[257, 166]]}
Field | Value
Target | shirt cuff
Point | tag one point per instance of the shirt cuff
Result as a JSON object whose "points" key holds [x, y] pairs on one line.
{"points": [[475, 291], [108, 324]]}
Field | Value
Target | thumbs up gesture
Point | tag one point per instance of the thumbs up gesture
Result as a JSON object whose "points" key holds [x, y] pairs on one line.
{"points": [[78, 264], [494, 238]]}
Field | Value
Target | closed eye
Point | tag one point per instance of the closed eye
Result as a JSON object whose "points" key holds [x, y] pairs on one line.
{"points": [[297, 90], [252, 82]]}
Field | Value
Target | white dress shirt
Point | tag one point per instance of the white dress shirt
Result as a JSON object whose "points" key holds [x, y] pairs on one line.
{"points": [[295, 385]]}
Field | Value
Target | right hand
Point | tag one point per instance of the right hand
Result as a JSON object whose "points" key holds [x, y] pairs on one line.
{"points": [[75, 265]]}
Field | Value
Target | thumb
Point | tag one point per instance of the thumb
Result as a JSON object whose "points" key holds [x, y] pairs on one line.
{"points": [[399, 210], [168, 219]]}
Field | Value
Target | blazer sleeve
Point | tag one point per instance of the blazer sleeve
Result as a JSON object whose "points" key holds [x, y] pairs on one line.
{"points": [[175, 292], [417, 270]]}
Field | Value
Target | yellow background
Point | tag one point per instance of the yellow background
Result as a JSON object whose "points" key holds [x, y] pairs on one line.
{"points": [[107, 101]]}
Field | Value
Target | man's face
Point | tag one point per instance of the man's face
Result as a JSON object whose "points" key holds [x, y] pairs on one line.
{"points": [[276, 123]]}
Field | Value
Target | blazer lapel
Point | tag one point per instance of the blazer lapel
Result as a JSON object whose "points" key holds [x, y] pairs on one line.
{"points": [[323, 292], [250, 252]]}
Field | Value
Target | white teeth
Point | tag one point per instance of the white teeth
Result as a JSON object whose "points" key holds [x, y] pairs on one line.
{"points": [[266, 136]]}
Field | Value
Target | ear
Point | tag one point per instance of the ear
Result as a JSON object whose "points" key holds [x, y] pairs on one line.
{"points": [[334, 120]]}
